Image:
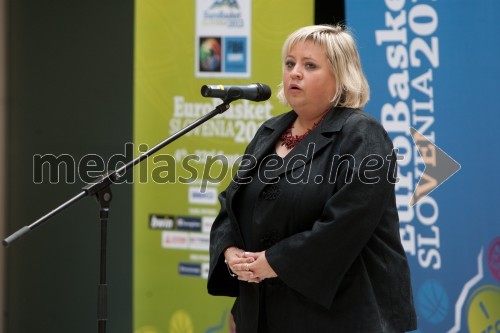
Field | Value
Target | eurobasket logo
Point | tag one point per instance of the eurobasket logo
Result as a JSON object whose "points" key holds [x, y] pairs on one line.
{"points": [[223, 38], [223, 9]]}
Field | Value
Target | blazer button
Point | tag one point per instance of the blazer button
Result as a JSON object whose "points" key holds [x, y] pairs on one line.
{"points": [[271, 193]]}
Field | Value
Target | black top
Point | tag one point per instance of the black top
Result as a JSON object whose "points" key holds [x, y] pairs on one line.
{"points": [[248, 196]]}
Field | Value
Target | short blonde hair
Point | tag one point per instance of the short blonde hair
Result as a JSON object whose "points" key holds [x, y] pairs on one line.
{"points": [[352, 88]]}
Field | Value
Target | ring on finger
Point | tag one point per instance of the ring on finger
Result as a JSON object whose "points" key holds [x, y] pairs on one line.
{"points": [[247, 267]]}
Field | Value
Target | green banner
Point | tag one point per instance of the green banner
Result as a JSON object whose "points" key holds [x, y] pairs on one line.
{"points": [[179, 47]]}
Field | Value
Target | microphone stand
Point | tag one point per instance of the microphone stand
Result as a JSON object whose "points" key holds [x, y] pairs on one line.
{"points": [[101, 189]]}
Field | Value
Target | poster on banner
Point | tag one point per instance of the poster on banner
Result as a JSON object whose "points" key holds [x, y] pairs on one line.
{"points": [[431, 73], [176, 190], [223, 38]]}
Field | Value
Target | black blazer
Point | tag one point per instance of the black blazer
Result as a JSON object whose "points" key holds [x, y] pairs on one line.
{"points": [[328, 221]]}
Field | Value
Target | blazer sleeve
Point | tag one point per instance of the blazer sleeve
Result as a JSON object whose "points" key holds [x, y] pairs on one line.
{"points": [[220, 283], [222, 236], [314, 262]]}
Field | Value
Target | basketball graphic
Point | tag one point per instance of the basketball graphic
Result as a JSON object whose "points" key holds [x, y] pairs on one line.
{"points": [[484, 309], [181, 322], [210, 54], [432, 301], [493, 258]]}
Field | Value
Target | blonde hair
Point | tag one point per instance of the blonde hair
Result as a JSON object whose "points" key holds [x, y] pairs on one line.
{"points": [[352, 88]]}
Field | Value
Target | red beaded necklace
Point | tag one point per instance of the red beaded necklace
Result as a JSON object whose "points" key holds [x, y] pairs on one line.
{"points": [[290, 141]]}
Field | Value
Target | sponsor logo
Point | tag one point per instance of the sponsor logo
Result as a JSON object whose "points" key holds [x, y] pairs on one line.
{"points": [[199, 241], [204, 270], [206, 223], [188, 223], [161, 222], [189, 269], [175, 240], [208, 197]]}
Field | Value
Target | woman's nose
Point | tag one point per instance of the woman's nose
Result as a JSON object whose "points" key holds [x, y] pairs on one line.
{"points": [[296, 74]]}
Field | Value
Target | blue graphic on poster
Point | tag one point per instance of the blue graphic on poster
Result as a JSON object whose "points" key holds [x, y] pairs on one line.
{"points": [[433, 66], [235, 58]]}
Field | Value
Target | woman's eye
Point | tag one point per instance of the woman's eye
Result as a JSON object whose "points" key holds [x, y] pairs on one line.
{"points": [[310, 65], [289, 64]]}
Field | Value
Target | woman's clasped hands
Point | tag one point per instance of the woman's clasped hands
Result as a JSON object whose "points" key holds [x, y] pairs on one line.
{"points": [[248, 266]]}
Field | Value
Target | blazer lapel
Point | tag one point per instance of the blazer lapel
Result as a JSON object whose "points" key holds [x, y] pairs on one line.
{"points": [[267, 140], [311, 146], [314, 143]]}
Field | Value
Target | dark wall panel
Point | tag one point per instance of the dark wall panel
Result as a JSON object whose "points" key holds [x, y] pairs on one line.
{"points": [[70, 88]]}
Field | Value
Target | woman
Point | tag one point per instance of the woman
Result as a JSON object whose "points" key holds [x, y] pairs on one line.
{"points": [[307, 237]]}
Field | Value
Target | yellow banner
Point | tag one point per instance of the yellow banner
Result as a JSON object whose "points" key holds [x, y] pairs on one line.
{"points": [[179, 47]]}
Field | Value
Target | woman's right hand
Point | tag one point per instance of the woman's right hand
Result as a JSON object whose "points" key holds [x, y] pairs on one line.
{"points": [[237, 263]]}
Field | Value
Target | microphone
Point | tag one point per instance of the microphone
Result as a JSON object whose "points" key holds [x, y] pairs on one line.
{"points": [[254, 92]]}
